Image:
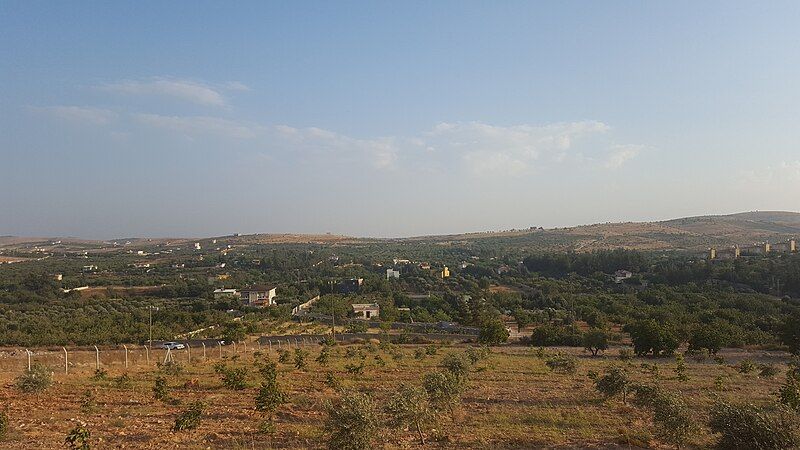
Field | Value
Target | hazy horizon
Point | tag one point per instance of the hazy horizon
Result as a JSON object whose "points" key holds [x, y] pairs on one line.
{"points": [[391, 120]]}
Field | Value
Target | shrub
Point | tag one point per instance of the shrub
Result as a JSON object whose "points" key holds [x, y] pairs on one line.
{"points": [[444, 390], [36, 379], [123, 381], [268, 371], [680, 368], [3, 424], [332, 382], [300, 356], [269, 397], [475, 354], [456, 365], [672, 419], [746, 366], [625, 354], [614, 382], [88, 401], [493, 332], [357, 326], [78, 438], [752, 427], [171, 368], [409, 408], [562, 364], [161, 389], [352, 422], [189, 419], [767, 371], [355, 369], [419, 353], [553, 335], [232, 378], [789, 393], [707, 338], [431, 350], [324, 355], [283, 356], [99, 375]]}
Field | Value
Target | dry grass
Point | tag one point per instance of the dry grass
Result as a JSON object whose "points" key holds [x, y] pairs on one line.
{"points": [[513, 402]]}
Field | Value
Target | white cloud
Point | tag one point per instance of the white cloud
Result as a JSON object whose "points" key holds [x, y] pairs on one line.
{"points": [[186, 90], [193, 126], [80, 114], [620, 154], [380, 152]]}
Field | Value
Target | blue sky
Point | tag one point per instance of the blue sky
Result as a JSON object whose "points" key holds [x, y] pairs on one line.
{"points": [[391, 118]]}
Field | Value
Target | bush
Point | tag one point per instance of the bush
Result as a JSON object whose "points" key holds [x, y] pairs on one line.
{"points": [[456, 365], [323, 357], [78, 438], [161, 389], [332, 382], [300, 356], [614, 382], [746, 366], [189, 419], [625, 354], [357, 326], [232, 378], [767, 371], [36, 379], [752, 427], [789, 393], [554, 335], [707, 338], [562, 364], [670, 413], [476, 354], [352, 422], [355, 369], [409, 408], [444, 390], [3, 425], [123, 381], [493, 332], [283, 356], [99, 375], [88, 401], [269, 397]]}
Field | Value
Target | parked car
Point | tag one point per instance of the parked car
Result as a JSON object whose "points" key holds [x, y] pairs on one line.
{"points": [[172, 346]]}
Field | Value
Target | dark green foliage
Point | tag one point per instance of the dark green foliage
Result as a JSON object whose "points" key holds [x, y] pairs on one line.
{"points": [[767, 371], [189, 419], [752, 427], [123, 381], [300, 357], [557, 335], [355, 369], [444, 390], [323, 357], [99, 375], [562, 364], [234, 378], [477, 354], [269, 397], [332, 382], [595, 340], [651, 337], [36, 379], [409, 408], [78, 438], [614, 382], [493, 332], [789, 393], [680, 368], [707, 337], [88, 401], [352, 422], [284, 357], [790, 332], [457, 365], [357, 326], [161, 389]]}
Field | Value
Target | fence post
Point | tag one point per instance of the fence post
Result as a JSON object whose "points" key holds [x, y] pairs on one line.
{"points": [[188, 353], [147, 354], [66, 361], [29, 359], [219, 343], [270, 346], [204, 351], [126, 355], [244, 344], [234, 347], [96, 358], [258, 341]]}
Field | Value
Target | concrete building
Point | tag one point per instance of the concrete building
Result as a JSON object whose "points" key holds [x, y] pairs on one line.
{"points": [[366, 310], [444, 273], [391, 273], [222, 292], [258, 295], [622, 275]]}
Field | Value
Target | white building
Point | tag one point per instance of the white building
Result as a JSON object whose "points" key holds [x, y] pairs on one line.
{"points": [[391, 273], [366, 310], [259, 295], [219, 293]]}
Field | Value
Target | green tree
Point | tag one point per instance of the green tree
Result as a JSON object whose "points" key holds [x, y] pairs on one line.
{"points": [[651, 337], [493, 332], [409, 407], [352, 422], [595, 340]]}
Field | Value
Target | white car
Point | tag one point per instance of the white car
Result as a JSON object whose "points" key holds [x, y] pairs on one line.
{"points": [[172, 346]]}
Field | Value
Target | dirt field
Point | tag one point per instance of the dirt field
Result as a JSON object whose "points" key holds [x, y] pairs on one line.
{"points": [[513, 401]]}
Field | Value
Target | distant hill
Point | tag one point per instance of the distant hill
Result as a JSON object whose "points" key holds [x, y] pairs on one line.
{"points": [[688, 233]]}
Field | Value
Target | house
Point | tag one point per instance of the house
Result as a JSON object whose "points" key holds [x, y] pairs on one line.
{"points": [[622, 275], [350, 286], [444, 273], [401, 261], [58, 277], [425, 266], [258, 295], [197, 246], [89, 268], [366, 310], [220, 293], [391, 273]]}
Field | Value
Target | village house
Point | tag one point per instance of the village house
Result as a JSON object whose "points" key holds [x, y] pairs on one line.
{"points": [[222, 292], [391, 273], [366, 310], [622, 275], [258, 295]]}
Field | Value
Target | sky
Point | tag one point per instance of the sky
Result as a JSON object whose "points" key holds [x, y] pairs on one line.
{"points": [[386, 119]]}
